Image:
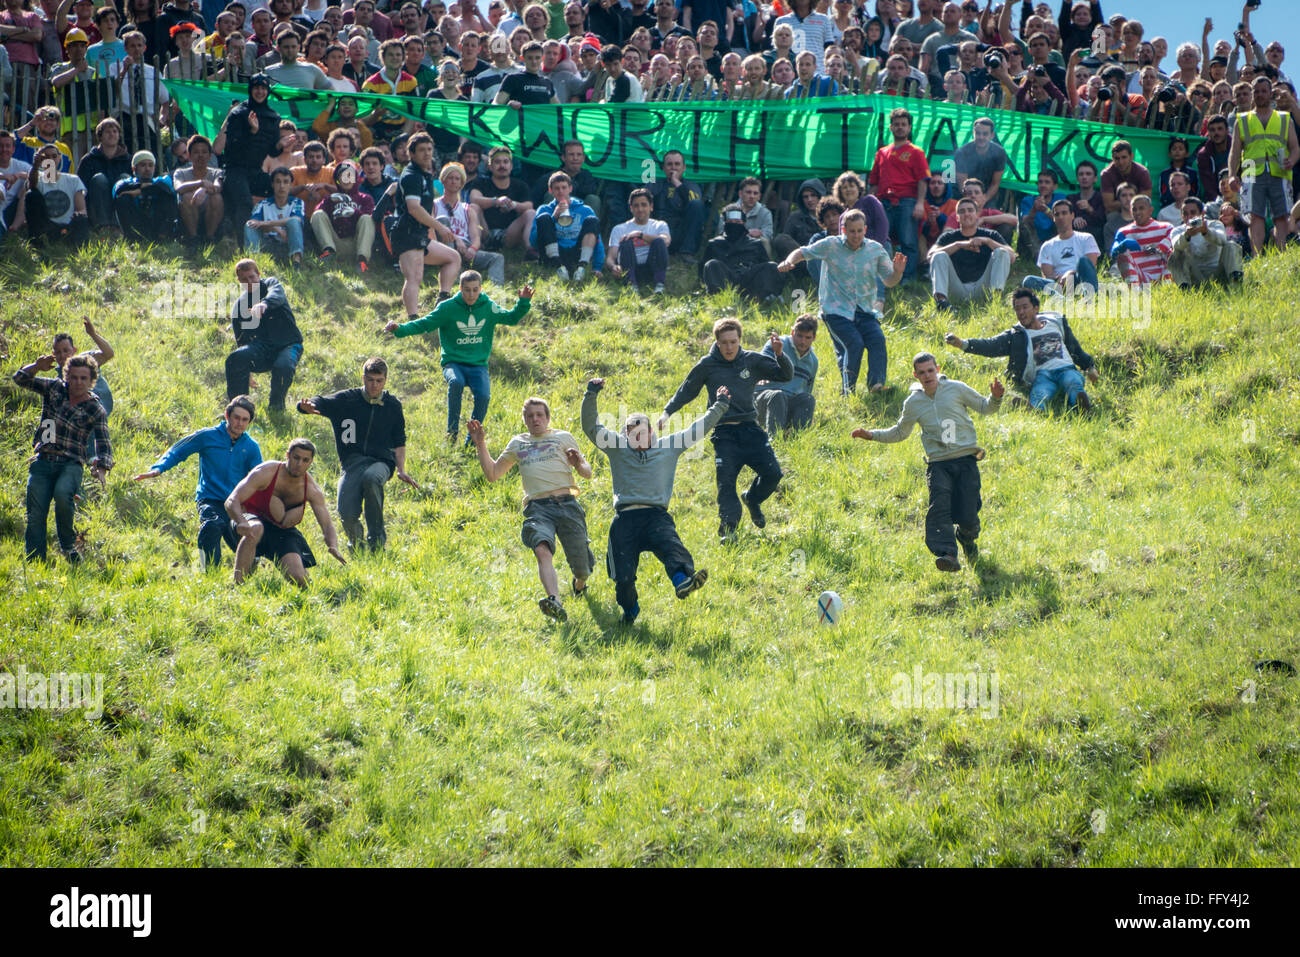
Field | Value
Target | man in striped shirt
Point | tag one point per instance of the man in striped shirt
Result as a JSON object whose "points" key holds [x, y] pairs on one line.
{"points": [[71, 416], [1142, 248], [812, 30]]}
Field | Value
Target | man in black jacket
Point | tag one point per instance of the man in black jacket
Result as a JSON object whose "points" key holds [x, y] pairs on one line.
{"points": [[737, 259], [738, 440], [1043, 356], [266, 335], [370, 435], [680, 204], [250, 133]]}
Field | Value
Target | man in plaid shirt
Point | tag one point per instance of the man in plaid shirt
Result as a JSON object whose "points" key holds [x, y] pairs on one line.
{"points": [[71, 415]]}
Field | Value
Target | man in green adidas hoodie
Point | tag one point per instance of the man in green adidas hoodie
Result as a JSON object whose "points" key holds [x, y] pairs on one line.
{"points": [[465, 324], [938, 404]]}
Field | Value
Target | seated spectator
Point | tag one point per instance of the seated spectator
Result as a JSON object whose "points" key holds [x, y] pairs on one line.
{"points": [[40, 131], [312, 182], [341, 147], [829, 211], [1202, 251], [145, 204], [990, 216], [343, 222], [288, 150], [105, 163], [1234, 227], [266, 334], [585, 186], [1089, 209], [13, 185], [790, 405], [639, 247], [802, 222], [1036, 213], [680, 204], [1069, 259], [55, 202], [504, 201], [457, 226], [566, 233], [1122, 169], [1180, 188], [968, 260], [757, 217], [375, 182], [738, 259], [1178, 163], [940, 206], [278, 219], [1121, 217], [198, 191], [1142, 247]]}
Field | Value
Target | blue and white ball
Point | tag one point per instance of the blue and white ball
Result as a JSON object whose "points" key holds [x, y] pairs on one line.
{"points": [[830, 608]]}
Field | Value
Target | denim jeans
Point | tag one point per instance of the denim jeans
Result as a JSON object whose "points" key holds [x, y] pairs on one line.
{"points": [[1085, 275], [851, 337], [459, 377], [361, 486], [1047, 384], [253, 238], [58, 481], [905, 228], [263, 357]]}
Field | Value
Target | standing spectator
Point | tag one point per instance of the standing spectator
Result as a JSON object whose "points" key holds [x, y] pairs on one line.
{"points": [[21, 32], [248, 136], [968, 260], [266, 335], [852, 265], [411, 233], [1264, 151], [392, 80], [72, 419], [898, 177]]}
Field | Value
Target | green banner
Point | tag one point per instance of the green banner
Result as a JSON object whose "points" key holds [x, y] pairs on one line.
{"points": [[723, 140]]}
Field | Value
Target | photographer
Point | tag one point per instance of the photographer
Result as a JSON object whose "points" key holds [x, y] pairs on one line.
{"points": [[1170, 111], [1202, 251], [1114, 104]]}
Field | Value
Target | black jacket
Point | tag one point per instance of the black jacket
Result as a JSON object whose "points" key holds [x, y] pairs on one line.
{"points": [[672, 209], [244, 148], [95, 162], [276, 327], [743, 253], [362, 428], [740, 375], [1014, 344]]}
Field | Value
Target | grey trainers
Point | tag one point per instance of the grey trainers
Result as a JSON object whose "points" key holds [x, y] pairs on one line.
{"points": [[552, 608], [694, 583]]}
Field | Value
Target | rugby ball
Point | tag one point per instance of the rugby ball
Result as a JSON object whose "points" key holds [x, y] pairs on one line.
{"points": [[830, 608]]}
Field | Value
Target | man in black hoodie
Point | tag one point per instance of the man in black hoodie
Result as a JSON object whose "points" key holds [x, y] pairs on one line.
{"points": [[266, 335], [802, 224], [737, 441], [180, 11], [737, 259], [370, 435], [250, 133]]}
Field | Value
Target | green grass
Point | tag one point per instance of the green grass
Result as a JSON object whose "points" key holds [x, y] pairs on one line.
{"points": [[416, 708]]}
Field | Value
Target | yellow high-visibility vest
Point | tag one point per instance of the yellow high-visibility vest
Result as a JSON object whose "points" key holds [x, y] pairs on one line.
{"points": [[1262, 143]]}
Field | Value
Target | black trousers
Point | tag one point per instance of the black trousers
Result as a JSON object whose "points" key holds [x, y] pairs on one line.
{"points": [[734, 447], [759, 280], [954, 500], [238, 192], [637, 530], [151, 220], [40, 228], [215, 527], [569, 256]]}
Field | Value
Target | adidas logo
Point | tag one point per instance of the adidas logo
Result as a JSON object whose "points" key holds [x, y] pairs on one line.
{"points": [[471, 326]]}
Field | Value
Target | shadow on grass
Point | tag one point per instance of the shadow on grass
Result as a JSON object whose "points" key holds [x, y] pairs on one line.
{"points": [[613, 632], [997, 584]]}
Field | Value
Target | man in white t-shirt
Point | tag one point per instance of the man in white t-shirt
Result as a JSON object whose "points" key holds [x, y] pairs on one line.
{"points": [[546, 458], [639, 247], [621, 86], [13, 182], [1069, 259]]}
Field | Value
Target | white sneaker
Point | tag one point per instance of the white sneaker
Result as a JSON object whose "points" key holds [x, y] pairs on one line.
{"points": [[563, 273], [580, 274], [659, 289]]}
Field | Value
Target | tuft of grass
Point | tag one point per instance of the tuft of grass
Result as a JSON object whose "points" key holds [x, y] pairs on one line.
{"points": [[414, 707]]}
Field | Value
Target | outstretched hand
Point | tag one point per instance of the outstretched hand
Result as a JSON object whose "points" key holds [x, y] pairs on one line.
{"points": [[595, 384], [996, 388], [900, 263], [45, 363], [308, 407], [152, 473], [862, 434], [337, 554], [475, 430], [391, 326], [526, 292], [774, 341]]}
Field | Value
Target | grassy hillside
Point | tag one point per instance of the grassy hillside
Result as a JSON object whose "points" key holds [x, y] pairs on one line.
{"points": [[416, 708]]}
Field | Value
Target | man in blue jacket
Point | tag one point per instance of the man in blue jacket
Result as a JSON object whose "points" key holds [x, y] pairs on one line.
{"points": [[737, 440], [226, 454], [566, 233]]}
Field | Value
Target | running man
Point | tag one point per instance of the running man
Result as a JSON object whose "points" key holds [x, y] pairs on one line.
{"points": [[546, 458], [642, 469], [938, 404]]}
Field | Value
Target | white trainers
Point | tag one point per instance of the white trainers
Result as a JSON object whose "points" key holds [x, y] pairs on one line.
{"points": [[659, 289], [580, 274], [563, 273]]}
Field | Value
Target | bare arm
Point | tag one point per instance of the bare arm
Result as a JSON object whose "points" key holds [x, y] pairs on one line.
{"points": [[493, 469], [104, 352], [316, 498]]}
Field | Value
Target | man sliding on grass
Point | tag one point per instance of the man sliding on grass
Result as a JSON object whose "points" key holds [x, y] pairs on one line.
{"points": [[952, 471], [642, 468], [546, 458]]}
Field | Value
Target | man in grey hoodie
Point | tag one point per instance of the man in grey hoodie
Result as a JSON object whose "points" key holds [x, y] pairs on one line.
{"points": [[642, 469], [938, 404], [737, 441]]}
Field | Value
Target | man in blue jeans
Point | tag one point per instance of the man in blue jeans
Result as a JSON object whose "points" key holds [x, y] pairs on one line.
{"points": [[898, 179], [852, 265], [1069, 259], [1043, 356], [266, 335], [71, 417]]}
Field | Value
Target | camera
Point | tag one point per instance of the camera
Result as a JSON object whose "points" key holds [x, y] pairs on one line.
{"points": [[992, 61], [1196, 223], [1167, 94], [1252, 4], [1104, 94], [1040, 71]]}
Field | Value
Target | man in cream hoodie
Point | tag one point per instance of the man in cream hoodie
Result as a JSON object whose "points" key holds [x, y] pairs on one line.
{"points": [[939, 405]]}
